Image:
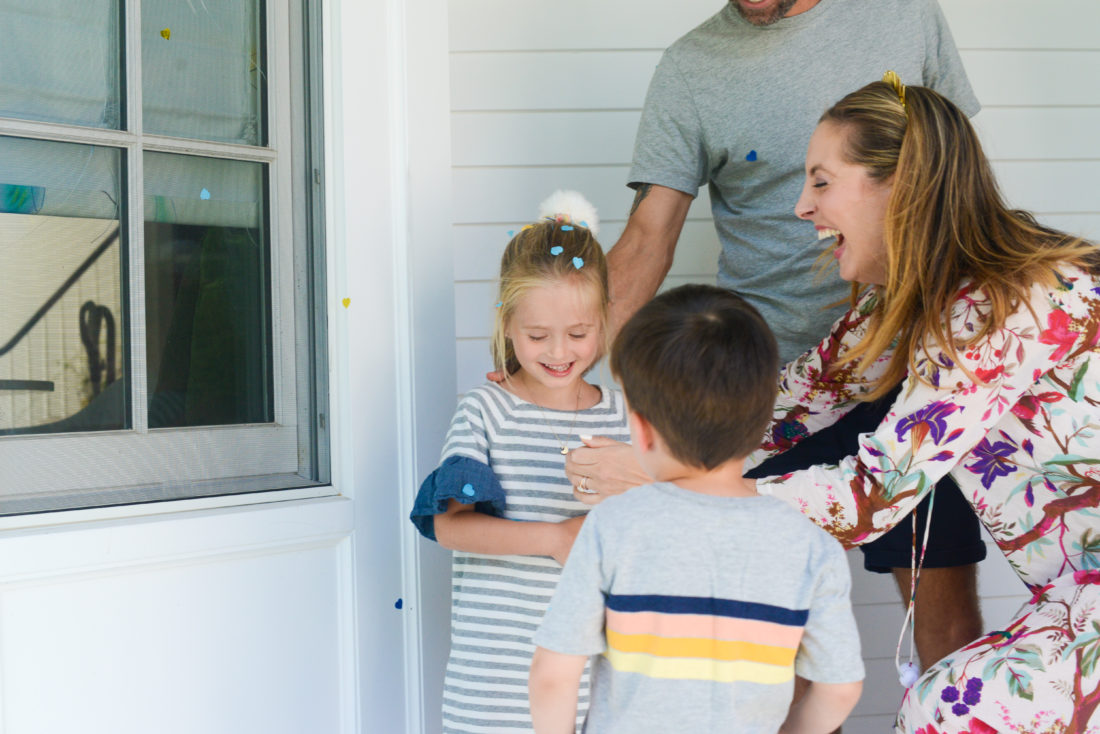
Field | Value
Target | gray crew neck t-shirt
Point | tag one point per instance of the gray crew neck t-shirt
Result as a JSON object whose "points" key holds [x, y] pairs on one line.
{"points": [[733, 105], [700, 610]]}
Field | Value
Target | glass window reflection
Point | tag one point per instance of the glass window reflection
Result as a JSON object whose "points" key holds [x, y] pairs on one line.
{"points": [[62, 317], [208, 326]]}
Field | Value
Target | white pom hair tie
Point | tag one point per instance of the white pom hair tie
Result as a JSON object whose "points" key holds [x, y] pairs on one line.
{"points": [[571, 208]]}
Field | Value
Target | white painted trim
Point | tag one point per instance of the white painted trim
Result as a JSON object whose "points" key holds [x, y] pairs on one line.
{"points": [[341, 447], [424, 264], [161, 509], [398, 47], [34, 555]]}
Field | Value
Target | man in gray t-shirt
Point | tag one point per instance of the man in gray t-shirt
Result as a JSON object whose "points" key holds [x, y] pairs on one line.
{"points": [[732, 105]]}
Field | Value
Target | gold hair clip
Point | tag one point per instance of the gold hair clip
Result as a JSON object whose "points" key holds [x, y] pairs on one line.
{"points": [[891, 77]]}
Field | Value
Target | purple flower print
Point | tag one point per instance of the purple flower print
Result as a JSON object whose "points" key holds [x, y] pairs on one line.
{"points": [[949, 694], [927, 420], [971, 698], [991, 460], [960, 709]]}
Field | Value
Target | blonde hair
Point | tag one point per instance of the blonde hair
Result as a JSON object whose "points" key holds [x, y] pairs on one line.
{"points": [[945, 222], [529, 261]]}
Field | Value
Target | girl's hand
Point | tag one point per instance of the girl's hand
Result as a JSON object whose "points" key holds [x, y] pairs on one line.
{"points": [[603, 467], [568, 530]]}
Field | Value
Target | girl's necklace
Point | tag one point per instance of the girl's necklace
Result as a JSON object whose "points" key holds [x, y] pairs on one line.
{"points": [[576, 410], [573, 424]]}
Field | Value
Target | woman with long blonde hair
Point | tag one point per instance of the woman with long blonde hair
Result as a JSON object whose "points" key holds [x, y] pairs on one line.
{"points": [[991, 323]]}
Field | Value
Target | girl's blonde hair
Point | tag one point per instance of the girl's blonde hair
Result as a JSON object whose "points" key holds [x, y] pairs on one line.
{"points": [[532, 259], [945, 222]]}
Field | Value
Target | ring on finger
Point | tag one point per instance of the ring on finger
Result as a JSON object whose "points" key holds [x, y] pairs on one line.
{"points": [[583, 486]]}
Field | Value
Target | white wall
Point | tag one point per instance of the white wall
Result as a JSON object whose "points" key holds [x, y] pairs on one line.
{"points": [[547, 95]]}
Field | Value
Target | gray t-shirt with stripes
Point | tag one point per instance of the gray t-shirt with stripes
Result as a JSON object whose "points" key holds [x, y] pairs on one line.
{"points": [[498, 602]]}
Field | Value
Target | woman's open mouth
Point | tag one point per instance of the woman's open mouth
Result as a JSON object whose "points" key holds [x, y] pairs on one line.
{"points": [[825, 233]]}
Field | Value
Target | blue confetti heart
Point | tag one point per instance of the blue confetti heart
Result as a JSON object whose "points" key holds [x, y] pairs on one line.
{"points": [[751, 156], [204, 194], [499, 304], [398, 604], [556, 250], [566, 228], [578, 263], [511, 233], [584, 224], [468, 490]]}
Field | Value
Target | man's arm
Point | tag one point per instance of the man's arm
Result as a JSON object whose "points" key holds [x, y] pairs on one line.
{"points": [[641, 259], [552, 687]]}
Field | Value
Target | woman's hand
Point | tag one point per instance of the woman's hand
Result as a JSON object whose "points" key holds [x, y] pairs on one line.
{"points": [[568, 530], [603, 467]]}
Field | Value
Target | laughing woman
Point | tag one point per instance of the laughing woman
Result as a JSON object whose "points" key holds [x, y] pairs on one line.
{"points": [[991, 322]]}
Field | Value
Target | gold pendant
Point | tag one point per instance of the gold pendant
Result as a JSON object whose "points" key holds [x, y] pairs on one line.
{"points": [[564, 450]]}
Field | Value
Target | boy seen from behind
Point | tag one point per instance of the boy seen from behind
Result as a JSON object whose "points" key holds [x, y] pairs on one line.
{"points": [[700, 598]]}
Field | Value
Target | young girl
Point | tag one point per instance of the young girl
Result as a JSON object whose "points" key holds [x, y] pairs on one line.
{"points": [[500, 498]]}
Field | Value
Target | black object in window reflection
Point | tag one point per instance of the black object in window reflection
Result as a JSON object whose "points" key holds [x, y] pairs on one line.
{"points": [[207, 326]]}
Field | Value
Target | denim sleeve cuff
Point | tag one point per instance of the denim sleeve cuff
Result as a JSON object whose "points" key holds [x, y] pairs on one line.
{"points": [[459, 478]]}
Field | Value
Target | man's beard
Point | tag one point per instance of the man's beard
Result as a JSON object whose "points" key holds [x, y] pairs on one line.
{"points": [[764, 17]]}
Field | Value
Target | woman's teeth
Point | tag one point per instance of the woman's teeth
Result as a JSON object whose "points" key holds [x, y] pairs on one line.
{"points": [[824, 233]]}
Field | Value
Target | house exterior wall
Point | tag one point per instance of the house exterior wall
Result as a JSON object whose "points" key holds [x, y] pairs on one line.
{"points": [[445, 123], [547, 96]]}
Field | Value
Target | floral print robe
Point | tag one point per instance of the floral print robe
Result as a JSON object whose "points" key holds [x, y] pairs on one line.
{"points": [[1023, 443]]}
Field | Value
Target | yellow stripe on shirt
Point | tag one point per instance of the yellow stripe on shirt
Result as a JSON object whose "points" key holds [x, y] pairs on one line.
{"points": [[700, 647], [718, 671]]}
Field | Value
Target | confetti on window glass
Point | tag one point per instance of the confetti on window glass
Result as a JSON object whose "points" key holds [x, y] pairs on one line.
{"points": [[166, 33], [204, 195]]}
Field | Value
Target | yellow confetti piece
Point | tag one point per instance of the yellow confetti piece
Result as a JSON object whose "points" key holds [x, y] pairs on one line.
{"points": [[166, 33], [346, 302]]}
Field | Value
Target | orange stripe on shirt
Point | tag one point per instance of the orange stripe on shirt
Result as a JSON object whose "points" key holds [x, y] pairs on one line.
{"points": [[703, 626]]}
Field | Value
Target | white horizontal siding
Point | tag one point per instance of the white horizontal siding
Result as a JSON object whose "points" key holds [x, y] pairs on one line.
{"points": [[541, 102], [509, 25]]}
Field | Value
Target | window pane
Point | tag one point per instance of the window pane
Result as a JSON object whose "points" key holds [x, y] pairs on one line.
{"points": [[202, 69], [207, 314], [62, 323], [59, 61]]}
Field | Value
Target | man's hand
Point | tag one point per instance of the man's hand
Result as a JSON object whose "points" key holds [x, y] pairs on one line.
{"points": [[604, 467]]}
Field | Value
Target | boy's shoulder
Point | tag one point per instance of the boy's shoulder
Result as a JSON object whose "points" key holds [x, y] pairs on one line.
{"points": [[666, 501]]}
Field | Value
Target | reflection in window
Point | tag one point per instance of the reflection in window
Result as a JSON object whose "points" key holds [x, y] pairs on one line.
{"points": [[206, 292], [202, 70], [60, 62], [62, 323]]}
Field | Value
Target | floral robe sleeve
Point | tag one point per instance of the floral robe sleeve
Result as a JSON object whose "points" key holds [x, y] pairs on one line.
{"points": [[1022, 439]]}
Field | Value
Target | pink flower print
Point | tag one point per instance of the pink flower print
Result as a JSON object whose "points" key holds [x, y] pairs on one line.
{"points": [[988, 376], [1086, 577], [977, 726], [1058, 333]]}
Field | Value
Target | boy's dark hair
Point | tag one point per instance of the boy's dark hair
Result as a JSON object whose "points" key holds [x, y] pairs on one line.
{"points": [[701, 365]]}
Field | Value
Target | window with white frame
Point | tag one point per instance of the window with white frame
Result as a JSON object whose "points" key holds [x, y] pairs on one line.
{"points": [[161, 254]]}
